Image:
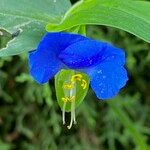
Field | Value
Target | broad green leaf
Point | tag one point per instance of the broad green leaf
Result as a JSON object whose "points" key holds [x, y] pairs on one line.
{"points": [[4, 38], [29, 17], [131, 16], [77, 90]]}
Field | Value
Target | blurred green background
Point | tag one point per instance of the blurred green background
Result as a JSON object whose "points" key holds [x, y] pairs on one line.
{"points": [[30, 118]]}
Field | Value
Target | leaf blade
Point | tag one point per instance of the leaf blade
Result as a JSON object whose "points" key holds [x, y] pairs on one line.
{"points": [[31, 21], [131, 16]]}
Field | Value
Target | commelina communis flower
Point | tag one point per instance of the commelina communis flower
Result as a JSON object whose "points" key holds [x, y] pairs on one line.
{"points": [[102, 62]]}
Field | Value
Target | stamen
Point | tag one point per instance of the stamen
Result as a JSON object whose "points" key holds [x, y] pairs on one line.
{"points": [[70, 96], [72, 114], [65, 99], [71, 99], [84, 84], [71, 121], [68, 86], [63, 113], [76, 77], [74, 118]]}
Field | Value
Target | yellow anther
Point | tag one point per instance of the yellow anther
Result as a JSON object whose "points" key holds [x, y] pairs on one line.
{"points": [[68, 86], [65, 100], [84, 84], [71, 99], [68, 99], [76, 77]]}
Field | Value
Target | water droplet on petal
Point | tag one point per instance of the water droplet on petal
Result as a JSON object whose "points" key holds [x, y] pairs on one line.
{"points": [[100, 71], [100, 84], [90, 61], [104, 77]]}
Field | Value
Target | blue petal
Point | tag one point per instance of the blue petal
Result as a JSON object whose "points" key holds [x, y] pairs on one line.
{"points": [[107, 79], [43, 66], [43, 62], [58, 41], [87, 53]]}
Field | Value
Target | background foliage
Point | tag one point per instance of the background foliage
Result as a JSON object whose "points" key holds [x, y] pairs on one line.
{"points": [[30, 118]]}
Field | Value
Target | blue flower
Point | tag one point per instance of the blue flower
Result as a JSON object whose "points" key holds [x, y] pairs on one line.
{"points": [[102, 62]]}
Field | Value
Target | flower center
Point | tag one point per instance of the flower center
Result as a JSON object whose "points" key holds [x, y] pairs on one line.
{"points": [[70, 96]]}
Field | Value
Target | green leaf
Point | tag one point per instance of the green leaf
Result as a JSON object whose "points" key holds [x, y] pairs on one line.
{"points": [[28, 18], [131, 16], [4, 146], [138, 138], [4, 38], [64, 77]]}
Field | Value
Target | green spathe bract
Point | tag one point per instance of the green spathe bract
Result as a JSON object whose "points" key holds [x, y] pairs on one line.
{"points": [[70, 98], [64, 76]]}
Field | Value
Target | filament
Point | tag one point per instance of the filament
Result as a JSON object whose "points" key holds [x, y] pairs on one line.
{"points": [[72, 92], [63, 113], [74, 118]]}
